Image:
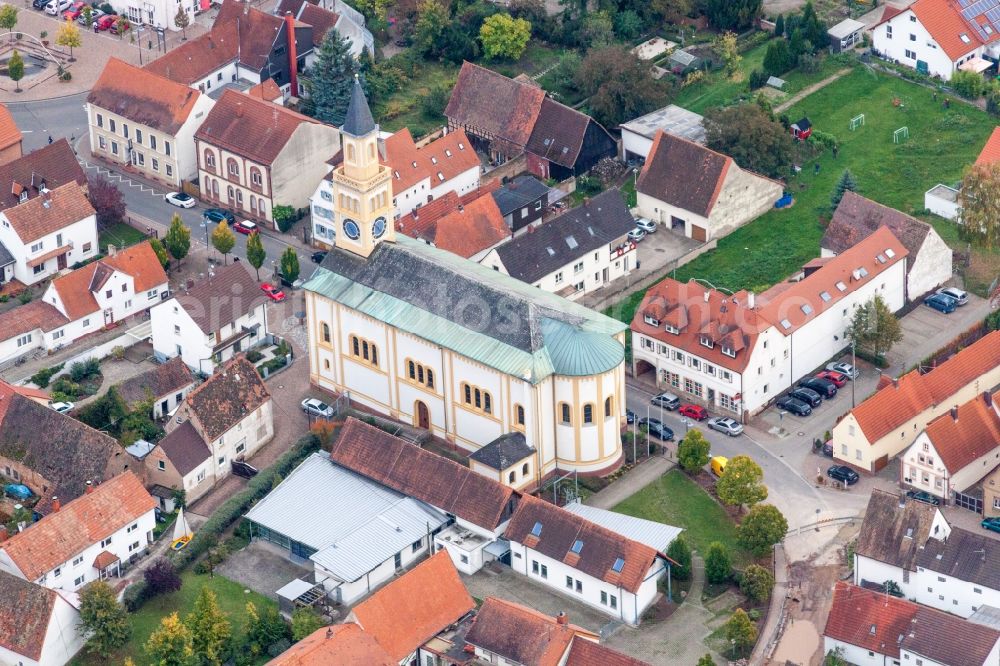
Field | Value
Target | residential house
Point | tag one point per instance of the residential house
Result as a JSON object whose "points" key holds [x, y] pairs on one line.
{"points": [[875, 629], [389, 322], [10, 137], [211, 321], [638, 135], [888, 422], [46, 222], [522, 201], [508, 460], [148, 17], [508, 633], [146, 122], [932, 562], [38, 626], [928, 264], [990, 487], [165, 386], [955, 452], [470, 226], [574, 254], [62, 462], [29, 329], [939, 37], [738, 352], [88, 539], [337, 643], [357, 533], [245, 46], [324, 16], [38, 395], [945, 200], [698, 192], [254, 155], [181, 461], [592, 564], [558, 141]]}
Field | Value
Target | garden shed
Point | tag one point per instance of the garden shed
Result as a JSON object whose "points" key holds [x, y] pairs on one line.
{"points": [[681, 61], [801, 129], [845, 35]]}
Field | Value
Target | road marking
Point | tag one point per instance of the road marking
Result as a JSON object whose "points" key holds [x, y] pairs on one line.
{"points": [[114, 175]]}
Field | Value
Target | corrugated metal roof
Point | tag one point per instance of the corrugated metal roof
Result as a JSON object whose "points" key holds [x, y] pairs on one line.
{"points": [[653, 534], [353, 523]]}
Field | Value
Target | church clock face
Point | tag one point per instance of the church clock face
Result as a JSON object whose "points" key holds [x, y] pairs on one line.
{"points": [[378, 227], [351, 229]]}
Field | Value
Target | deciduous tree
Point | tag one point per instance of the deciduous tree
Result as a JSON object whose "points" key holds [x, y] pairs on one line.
{"points": [[680, 552], [290, 264], [874, 327], [741, 632], [223, 239], [619, 85], [778, 58], [304, 622], [210, 628], [981, 205], [171, 644], [762, 527], [692, 452], [161, 577], [15, 69], [103, 618], [8, 18], [177, 239], [756, 583], [729, 49], [106, 199], [835, 657], [159, 251], [706, 661], [256, 254], [741, 483], [718, 566], [330, 79], [432, 21], [749, 135], [671, 11], [182, 21], [503, 36], [69, 36], [264, 628], [597, 29]]}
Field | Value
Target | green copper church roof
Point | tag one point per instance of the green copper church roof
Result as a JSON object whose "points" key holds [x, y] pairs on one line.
{"points": [[473, 310]]}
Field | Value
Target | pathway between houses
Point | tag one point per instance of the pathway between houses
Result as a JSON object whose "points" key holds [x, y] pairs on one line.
{"points": [[805, 92]]}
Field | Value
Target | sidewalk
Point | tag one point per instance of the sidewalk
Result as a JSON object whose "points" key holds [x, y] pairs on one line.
{"points": [[630, 483], [770, 632]]}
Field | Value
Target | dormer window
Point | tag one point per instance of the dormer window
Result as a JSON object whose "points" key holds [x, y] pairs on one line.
{"points": [[23, 197], [707, 342], [652, 321], [729, 351], [672, 329]]}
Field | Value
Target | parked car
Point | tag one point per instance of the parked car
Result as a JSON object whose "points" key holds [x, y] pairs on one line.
{"points": [[828, 449], [56, 6], [793, 405], [960, 297], [646, 225], [992, 524], [845, 369], [807, 395], [120, 25], [667, 401], [726, 425], [74, 11], [315, 407], [180, 199], [941, 303], [318, 257], [843, 474], [661, 432], [696, 412], [106, 22], [39, 4], [272, 292], [636, 235], [923, 496], [62, 407], [718, 465], [291, 284], [217, 215], [244, 469], [838, 379], [246, 227], [824, 387], [649, 422], [95, 15], [629, 416]]}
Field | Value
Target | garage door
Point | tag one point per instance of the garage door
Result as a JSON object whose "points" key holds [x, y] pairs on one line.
{"points": [[698, 233]]}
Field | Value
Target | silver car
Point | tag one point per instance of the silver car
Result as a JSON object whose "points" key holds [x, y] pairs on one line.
{"points": [[315, 407], [845, 369], [726, 425], [646, 225], [62, 407], [960, 297], [636, 235]]}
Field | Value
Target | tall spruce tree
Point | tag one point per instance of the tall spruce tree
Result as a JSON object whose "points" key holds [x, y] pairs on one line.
{"points": [[329, 81], [845, 183]]}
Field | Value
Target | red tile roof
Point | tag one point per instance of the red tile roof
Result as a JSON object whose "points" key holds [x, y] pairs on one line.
{"points": [[143, 96], [10, 135], [943, 20], [25, 612], [971, 433], [27, 318], [522, 635], [786, 304], [558, 133], [724, 318], [449, 156], [683, 173], [421, 474], [990, 153], [46, 214], [227, 397], [415, 607], [322, 21], [250, 127], [267, 90], [464, 226], [898, 402], [601, 546], [26, 391], [493, 104], [86, 520], [337, 644], [588, 653]]}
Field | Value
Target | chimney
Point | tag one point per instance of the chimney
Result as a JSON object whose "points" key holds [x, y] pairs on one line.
{"points": [[90, 488], [329, 633], [112, 250], [239, 110], [954, 413], [3, 533], [988, 398], [895, 382], [751, 300], [562, 618], [56, 504], [707, 295], [461, 208], [293, 58]]}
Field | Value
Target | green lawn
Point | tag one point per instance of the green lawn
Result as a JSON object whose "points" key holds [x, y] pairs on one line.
{"points": [[716, 90], [942, 142], [120, 235], [232, 600], [404, 109], [676, 500]]}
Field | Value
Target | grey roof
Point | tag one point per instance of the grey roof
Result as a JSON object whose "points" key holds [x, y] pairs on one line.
{"points": [[987, 615], [520, 192], [671, 119], [964, 555], [475, 311], [574, 234], [185, 448], [222, 298], [6, 258], [775, 82], [683, 58], [845, 28], [140, 448], [655, 535], [358, 121], [504, 451], [946, 639], [353, 523]]}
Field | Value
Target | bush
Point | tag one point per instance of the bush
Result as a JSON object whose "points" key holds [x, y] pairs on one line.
{"points": [[24, 297], [66, 387], [4, 298], [718, 567], [680, 552], [756, 583], [135, 596], [42, 377], [968, 84], [161, 578], [83, 369], [758, 79], [253, 356]]}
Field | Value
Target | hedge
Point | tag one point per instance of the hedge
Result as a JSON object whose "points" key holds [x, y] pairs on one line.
{"points": [[227, 514]]}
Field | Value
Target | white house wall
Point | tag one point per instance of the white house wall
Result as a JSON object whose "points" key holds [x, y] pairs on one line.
{"points": [[174, 328], [590, 276], [62, 639], [82, 235], [858, 655], [905, 25], [951, 594], [348, 593], [930, 268], [744, 197], [635, 145]]}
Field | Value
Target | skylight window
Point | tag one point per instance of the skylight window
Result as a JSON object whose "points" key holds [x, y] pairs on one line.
{"points": [[551, 252], [880, 258], [965, 38], [889, 252], [537, 529], [807, 309], [440, 176], [577, 546], [841, 286], [461, 146], [785, 324], [434, 160], [396, 173], [571, 242], [447, 152], [825, 295], [618, 565], [863, 272]]}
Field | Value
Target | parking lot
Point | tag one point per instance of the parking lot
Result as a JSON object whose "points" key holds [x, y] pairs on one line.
{"points": [[926, 330]]}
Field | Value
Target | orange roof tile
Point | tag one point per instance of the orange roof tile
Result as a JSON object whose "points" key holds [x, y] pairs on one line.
{"points": [[790, 306], [9, 133], [104, 560], [37, 314], [415, 607], [867, 619], [46, 214], [971, 433], [143, 96], [26, 391], [990, 153], [25, 614], [899, 401], [338, 644], [61, 535], [440, 160], [589, 653], [943, 20], [462, 225], [522, 635], [141, 263], [683, 173], [267, 90]]}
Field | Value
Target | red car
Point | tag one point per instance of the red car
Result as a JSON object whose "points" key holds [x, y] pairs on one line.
{"points": [[120, 25], [245, 227], [696, 412], [73, 13], [832, 375], [272, 292], [106, 22]]}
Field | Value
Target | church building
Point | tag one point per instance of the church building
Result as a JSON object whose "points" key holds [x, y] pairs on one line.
{"points": [[422, 335]]}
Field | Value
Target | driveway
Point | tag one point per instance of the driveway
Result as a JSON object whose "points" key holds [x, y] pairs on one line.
{"points": [[926, 330], [263, 567]]}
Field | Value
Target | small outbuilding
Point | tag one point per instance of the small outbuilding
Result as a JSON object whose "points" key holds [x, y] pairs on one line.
{"points": [[801, 129], [682, 61], [845, 35]]}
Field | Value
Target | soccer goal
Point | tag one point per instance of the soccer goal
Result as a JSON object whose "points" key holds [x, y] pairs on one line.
{"points": [[857, 121], [902, 134]]}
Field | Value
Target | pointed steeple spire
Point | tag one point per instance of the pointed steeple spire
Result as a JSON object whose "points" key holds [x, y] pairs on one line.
{"points": [[358, 121]]}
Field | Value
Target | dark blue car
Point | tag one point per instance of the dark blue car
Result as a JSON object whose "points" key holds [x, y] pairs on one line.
{"points": [[941, 303]]}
